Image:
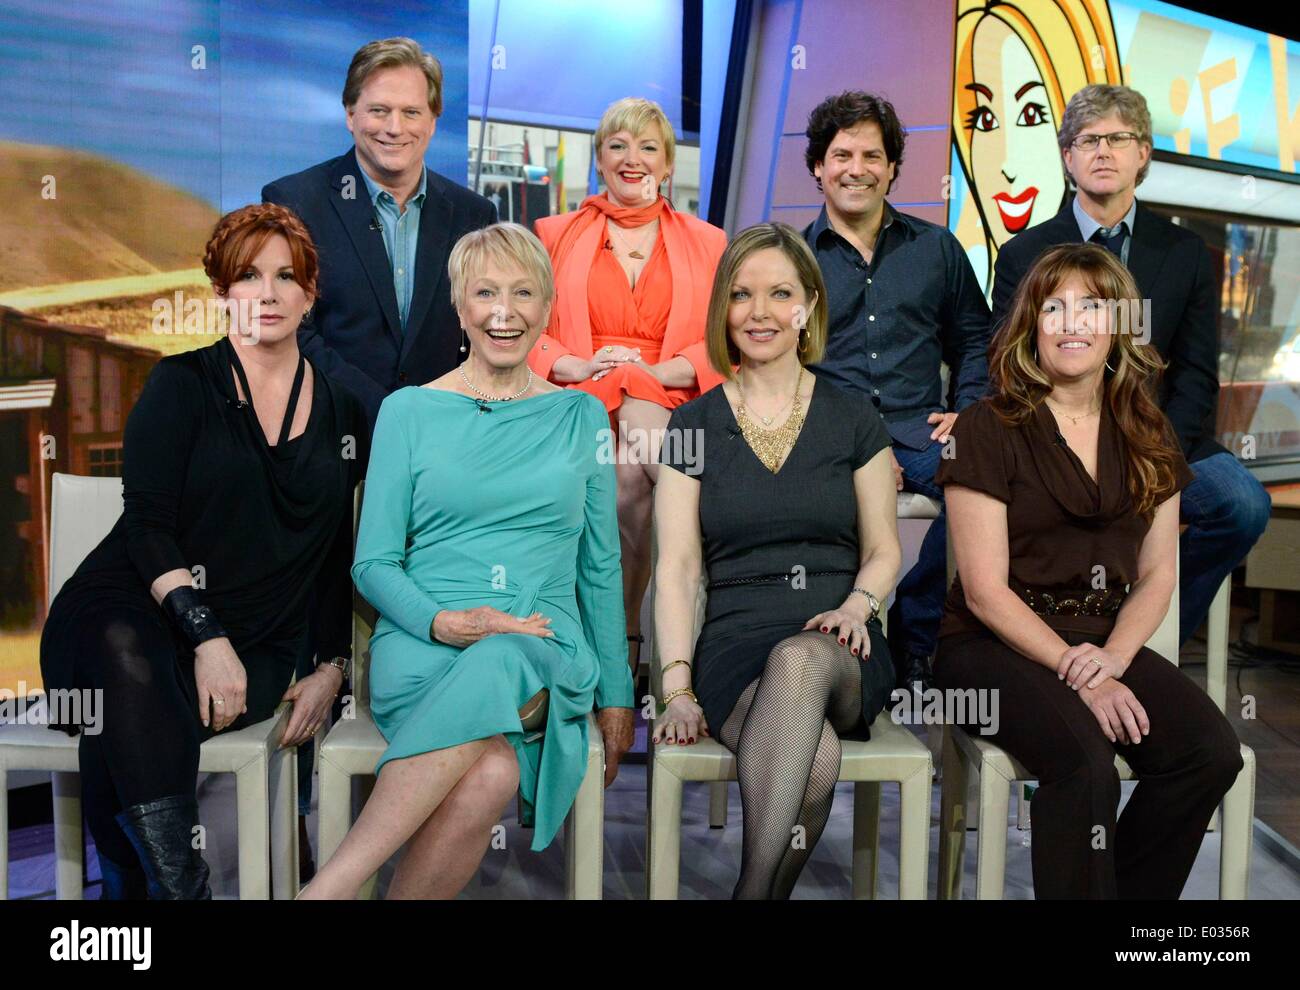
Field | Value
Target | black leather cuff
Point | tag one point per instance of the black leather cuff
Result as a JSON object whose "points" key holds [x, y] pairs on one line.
{"points": [[196, 621]]}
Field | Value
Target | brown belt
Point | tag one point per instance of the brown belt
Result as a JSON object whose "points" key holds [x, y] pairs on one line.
{"points": [[1076, 601]]}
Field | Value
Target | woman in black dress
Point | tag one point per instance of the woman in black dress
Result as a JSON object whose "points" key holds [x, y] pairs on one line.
{"points": [[239, 463], [782, 489]]}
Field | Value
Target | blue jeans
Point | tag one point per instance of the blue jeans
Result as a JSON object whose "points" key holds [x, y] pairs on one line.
{"points": [[1226, 511], [920, 595]]}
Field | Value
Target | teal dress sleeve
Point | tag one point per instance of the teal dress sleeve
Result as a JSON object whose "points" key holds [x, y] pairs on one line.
{"points": [[379, 568], [600, 575]]}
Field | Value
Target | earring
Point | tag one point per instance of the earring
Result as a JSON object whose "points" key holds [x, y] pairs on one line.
{"points": [[306, 316], [1109, 368], [803, 341], [464, 341]]}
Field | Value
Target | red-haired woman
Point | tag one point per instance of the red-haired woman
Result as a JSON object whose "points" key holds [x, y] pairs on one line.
{"points": [[1062, 493], [238, 467]]}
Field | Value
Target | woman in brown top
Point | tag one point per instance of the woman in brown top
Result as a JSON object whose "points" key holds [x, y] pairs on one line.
{"points": [[1062, 493]]}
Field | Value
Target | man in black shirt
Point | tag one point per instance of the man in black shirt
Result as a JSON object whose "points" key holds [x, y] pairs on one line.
{"points": [[903, 301]]}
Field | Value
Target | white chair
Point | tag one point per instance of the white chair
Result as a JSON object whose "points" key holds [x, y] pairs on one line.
{"points": [[354, 745], [965, 754], [83, 510], [892, 755]]}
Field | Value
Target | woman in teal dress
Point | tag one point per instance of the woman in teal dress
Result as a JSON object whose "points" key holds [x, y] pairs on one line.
{"points": [[489, 545]]}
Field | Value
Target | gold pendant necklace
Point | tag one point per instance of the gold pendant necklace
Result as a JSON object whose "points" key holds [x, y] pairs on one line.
{"points": [[636, 251], [1072, 419]]}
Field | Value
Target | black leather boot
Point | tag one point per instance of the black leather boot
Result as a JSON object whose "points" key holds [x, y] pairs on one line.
{"points": [[121, 883], [915, 669], [162, 833]]}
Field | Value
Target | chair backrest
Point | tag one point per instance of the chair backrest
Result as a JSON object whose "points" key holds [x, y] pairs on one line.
{"points": [[82, 511]]}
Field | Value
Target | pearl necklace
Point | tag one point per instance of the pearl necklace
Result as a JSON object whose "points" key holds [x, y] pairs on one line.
{"points": [[495, 398]]}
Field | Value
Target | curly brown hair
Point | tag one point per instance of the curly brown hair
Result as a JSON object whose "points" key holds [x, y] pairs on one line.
{"points": [[847, 110], [1019, 384], [242, 233]]}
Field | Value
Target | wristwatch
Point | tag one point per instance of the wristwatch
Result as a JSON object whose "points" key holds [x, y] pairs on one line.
{"points": [[342, 664], [872, 601]]}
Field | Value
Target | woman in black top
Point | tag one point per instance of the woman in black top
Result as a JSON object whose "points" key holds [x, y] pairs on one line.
{"points": [[239, 463], [783, 489]]}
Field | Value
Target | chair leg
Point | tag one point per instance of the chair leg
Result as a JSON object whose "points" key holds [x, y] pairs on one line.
{"points": [[69, 841], [649, 817], [370, 889], [914, 834], [1238, 826], [333, 809], [1216, 659], [252, 798], [991, 835], [866, 839], [584, 839], [718, 792], [283, 787], [4, 834], [664, 836], [1216, 653], [952, 819]]}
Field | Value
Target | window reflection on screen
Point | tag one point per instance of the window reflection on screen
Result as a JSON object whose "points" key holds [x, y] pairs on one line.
{"points": [[1258, 264]]}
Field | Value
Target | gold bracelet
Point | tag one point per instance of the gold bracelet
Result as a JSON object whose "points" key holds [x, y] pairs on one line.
{"points": [[674, 664], [668, 698]]}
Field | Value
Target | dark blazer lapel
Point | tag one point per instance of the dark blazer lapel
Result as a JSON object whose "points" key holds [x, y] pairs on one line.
{"points": [[1147, 251], [356, 212], [431, 250], [1064, 227]]}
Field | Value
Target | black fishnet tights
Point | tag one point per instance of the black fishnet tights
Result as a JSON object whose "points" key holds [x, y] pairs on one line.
{"points": [[783, 732]]}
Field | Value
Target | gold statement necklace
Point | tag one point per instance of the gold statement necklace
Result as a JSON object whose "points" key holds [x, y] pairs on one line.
{"points": [[771, 446]]}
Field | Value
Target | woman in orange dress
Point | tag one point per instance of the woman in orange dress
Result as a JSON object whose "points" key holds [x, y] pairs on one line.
{"points": [[633, 278]]}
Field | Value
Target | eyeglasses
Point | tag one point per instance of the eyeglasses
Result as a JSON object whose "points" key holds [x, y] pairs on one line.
{"points": [[1119, 139]]}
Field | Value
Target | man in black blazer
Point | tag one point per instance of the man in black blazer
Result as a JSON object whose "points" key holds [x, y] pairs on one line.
{"points": [[1105, 142], [384, 226]]}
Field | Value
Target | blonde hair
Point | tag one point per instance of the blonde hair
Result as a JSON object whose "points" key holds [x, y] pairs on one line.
{"points": [[1072, 43], [723, 354], [507, 244], [636, 116], [393, 53]]}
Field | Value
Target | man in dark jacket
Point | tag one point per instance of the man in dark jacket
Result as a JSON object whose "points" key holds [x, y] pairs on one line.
{"points": [[384, 225]]}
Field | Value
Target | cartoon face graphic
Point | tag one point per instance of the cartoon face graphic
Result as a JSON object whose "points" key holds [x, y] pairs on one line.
{"points": [[1014, 158]]}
